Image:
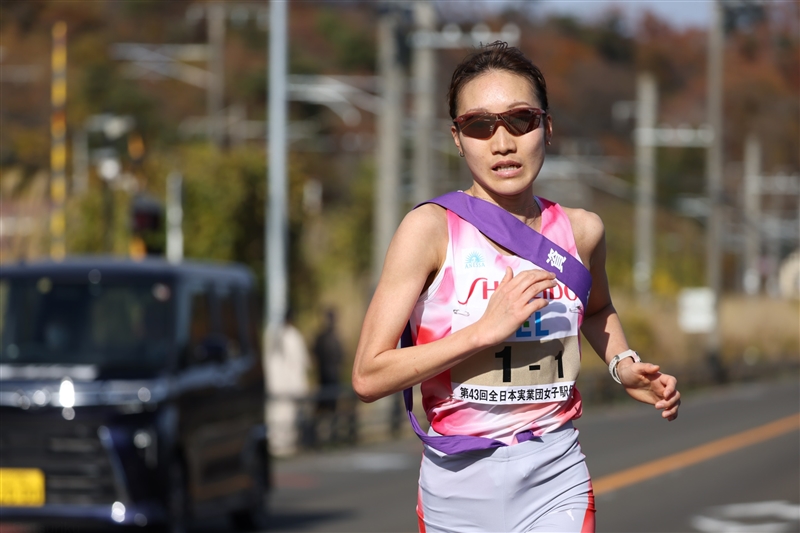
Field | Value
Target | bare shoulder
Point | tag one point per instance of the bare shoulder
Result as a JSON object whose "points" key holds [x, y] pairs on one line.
{"points": [[421, 238], [588, 229], [429, 221]]}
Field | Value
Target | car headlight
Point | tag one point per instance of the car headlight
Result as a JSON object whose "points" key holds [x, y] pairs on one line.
{"points": [[142, 439], [66, 394], [145, 440]]}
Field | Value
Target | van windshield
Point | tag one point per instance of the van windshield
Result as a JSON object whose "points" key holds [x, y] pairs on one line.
{"points": [[124, 326]]}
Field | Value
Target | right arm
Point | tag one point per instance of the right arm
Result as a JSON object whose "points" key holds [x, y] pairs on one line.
{"points": [[416, 252]]}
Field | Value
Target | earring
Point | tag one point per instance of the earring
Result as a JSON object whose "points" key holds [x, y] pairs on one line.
{"points": [[460, 153]]}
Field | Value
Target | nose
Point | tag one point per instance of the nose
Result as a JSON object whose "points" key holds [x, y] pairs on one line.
{"points": [[502, 142]]}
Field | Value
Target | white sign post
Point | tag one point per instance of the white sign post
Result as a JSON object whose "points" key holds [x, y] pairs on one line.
{"points": [[696, 310]]}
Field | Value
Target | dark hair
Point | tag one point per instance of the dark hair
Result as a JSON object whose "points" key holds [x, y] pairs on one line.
{"points": [[495, 56]]}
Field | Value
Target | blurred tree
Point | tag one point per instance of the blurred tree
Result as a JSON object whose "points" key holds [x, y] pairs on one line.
{"points": [[223, 211], [567, 50], [89, 230], [353, 47], [675, 57], [589, 66], [612, 41], [351, 225], [23, 14], [742, 14]]}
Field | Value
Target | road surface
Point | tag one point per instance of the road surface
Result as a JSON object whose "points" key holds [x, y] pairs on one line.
{"points": [[731, 462]]}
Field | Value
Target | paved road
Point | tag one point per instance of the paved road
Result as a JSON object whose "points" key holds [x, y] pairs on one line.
{"points": [[753, 487], [687, 499], [730, 463]]}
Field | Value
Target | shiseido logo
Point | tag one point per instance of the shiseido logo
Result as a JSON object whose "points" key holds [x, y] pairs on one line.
{"points": [[484, 288]]}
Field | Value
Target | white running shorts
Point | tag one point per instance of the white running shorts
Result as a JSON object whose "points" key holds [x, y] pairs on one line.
{"points": [[541, 485]]}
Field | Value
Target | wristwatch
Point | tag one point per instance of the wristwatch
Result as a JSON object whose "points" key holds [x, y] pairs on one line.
{"points": [[612, 366]]}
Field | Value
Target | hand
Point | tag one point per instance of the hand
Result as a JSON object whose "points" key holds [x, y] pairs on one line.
{"points": [[513, 303], [643, 382]]}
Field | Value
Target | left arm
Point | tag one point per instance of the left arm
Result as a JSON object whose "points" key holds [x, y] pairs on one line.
{"points": [[602, 327]]}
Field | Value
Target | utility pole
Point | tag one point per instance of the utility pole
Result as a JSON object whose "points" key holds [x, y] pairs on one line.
{"points": [[174, 217], [752, 215], [425, 41], [776, 230], [80, 161], [646, 115], [58, 152], [424, 79], [390, 136], [714, 162], [276, 261], [647, 138], [215, 20]]}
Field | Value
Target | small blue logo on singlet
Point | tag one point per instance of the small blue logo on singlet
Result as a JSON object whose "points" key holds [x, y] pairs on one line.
{"points": [[474, 260]]}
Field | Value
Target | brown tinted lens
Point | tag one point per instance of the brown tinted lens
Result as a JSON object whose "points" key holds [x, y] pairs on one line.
{"points": [[479, 126], [521, 121]]}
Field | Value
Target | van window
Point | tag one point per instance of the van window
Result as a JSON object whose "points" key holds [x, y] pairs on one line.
{"points": [[116, 324], [3, 306], [254, 323], [200, 322], [231, 320]]}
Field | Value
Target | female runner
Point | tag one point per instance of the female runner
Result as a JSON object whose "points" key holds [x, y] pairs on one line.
{"points": [[494, 336]]}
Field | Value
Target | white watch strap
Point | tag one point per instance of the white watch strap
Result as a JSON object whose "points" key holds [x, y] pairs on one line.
{"points": [[612, 366]]}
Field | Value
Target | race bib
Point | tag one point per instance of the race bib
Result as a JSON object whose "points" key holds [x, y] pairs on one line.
{"points": [[519, 372]]}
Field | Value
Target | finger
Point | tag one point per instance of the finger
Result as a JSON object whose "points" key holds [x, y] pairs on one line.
{"points": [[644, 373], [650, 368], [535, 304], [509, 275], [640, 369], [525, 283], [669, 403], [671, 414], [669, 387], [536, 288], [542, 275], [535, 275]]}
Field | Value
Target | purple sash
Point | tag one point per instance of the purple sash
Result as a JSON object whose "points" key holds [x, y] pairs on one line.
{"points": [[506, 230]]}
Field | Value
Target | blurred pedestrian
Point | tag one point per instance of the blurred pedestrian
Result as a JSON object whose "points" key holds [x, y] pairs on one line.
{"points": [[287, 365], [328, 354], [488, 289]]}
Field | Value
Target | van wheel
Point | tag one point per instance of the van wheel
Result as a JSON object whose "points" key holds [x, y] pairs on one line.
{"points": [[255, 517], [177, 502]]}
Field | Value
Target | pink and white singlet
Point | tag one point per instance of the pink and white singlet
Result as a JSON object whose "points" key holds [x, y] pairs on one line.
{"points": [[528, 381]]}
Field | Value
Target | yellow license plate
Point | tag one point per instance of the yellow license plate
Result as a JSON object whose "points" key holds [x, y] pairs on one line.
{"points": [[21, 487]]}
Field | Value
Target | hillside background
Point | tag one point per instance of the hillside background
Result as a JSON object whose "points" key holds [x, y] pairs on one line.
{"points": [[590, 67]]}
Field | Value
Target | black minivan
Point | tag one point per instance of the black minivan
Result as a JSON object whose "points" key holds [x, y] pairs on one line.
{"points": [[131, 393]]}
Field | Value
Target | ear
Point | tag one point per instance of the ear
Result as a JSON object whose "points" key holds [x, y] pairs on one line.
{"points": [[548, 128], [456, 139]]}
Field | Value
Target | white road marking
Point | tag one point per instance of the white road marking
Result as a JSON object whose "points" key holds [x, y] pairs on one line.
{"points": [[756, 517]]}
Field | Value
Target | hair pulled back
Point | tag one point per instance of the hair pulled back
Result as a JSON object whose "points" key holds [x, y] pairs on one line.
{"points": [[495, 56]]}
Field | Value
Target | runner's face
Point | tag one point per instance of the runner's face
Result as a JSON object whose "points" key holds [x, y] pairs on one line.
{"points": [[503, 164]]}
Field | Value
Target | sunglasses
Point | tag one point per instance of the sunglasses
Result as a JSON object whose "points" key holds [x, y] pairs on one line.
{"points": [[483, 125]]}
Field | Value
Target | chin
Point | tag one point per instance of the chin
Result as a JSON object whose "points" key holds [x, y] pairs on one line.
{"points": [[510, 187]]}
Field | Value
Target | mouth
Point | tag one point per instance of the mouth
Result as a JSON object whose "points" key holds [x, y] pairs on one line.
{"points": [[506, 167]]}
